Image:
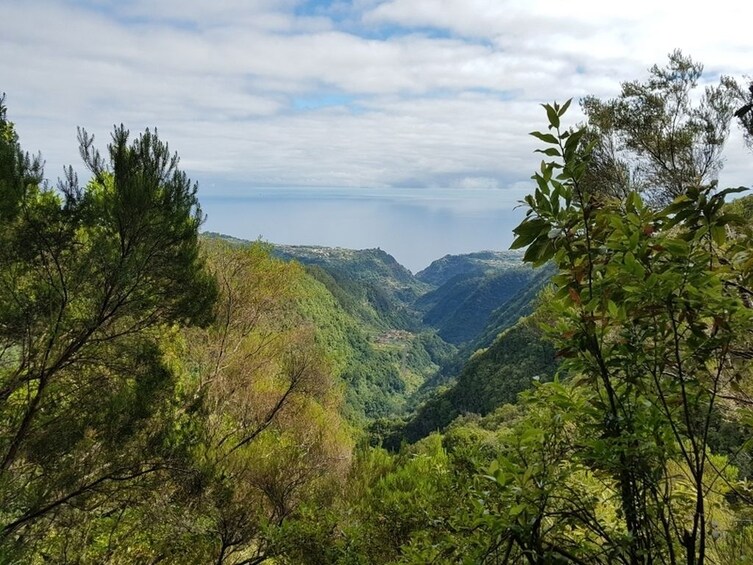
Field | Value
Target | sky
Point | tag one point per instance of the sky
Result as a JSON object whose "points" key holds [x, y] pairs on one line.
{"points": [[393, 123]]}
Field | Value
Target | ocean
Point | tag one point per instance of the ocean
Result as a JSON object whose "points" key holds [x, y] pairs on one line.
{"points": [[416, 226]]}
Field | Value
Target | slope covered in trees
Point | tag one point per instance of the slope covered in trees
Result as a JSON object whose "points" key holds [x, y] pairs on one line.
{"points": [[372, 277], [468, 265], [518, 358], [394, 349], [461, 308]]}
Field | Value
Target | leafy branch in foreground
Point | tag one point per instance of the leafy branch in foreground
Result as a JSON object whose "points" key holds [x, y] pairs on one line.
{"points": [[648, 315]]}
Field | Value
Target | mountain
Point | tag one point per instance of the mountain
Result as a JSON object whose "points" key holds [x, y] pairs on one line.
{"points": [[369, 283], [455, 295], [360, 302], [502, 318], [468, 265], [397, 334], [461, 308], [518, 306], [469, 289]]}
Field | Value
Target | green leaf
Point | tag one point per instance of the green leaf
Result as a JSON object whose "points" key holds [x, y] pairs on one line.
{"points": [[554, 119], [545, 137], [543, 186], [528, 231], [677, 247], [679, 203], [612, 309], [726, 191], [734, 219], [533, 226], [550, 152], [574, 139], [633, 266], [719, 234], [539, 252]]}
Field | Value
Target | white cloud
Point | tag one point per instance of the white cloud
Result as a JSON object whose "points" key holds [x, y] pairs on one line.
{"points": [[426, 92], [475, 183]]}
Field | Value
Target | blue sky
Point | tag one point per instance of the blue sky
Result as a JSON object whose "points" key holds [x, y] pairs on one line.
{"points": [[377, 94]]}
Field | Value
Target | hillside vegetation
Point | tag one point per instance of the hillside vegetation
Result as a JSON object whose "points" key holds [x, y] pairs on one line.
{"points": [[460, 309], [167, 397], [379, 362], [371, 277], [518, 359]]}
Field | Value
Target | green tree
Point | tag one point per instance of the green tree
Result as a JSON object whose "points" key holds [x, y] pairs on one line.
{"points": [[90, 278], [650, 314], [660, 136], [19, 171], [258, 416]]}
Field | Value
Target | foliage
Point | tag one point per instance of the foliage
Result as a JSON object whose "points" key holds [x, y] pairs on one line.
{"points": [[659, 136], [260, 407], [90, 280], [651, 314], [19, 172], [389, 500], [491, 377]]}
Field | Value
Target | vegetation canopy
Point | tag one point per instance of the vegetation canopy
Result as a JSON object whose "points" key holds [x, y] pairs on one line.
{"points": [[167, 397]]}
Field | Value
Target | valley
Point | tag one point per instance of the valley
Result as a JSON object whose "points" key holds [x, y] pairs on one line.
{"points": [[408, 334]]}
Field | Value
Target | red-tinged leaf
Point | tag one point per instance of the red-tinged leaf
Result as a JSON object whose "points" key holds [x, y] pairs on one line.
{"points": [[574, 296]]}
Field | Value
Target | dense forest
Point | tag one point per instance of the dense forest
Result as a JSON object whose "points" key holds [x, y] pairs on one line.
{"points": [[168, 396]]}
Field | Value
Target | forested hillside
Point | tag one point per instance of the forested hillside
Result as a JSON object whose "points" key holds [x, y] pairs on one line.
{"points": [[490, 378], [171, 397], [397, 352], [461, 306], [469, 265], [371, 278]]}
